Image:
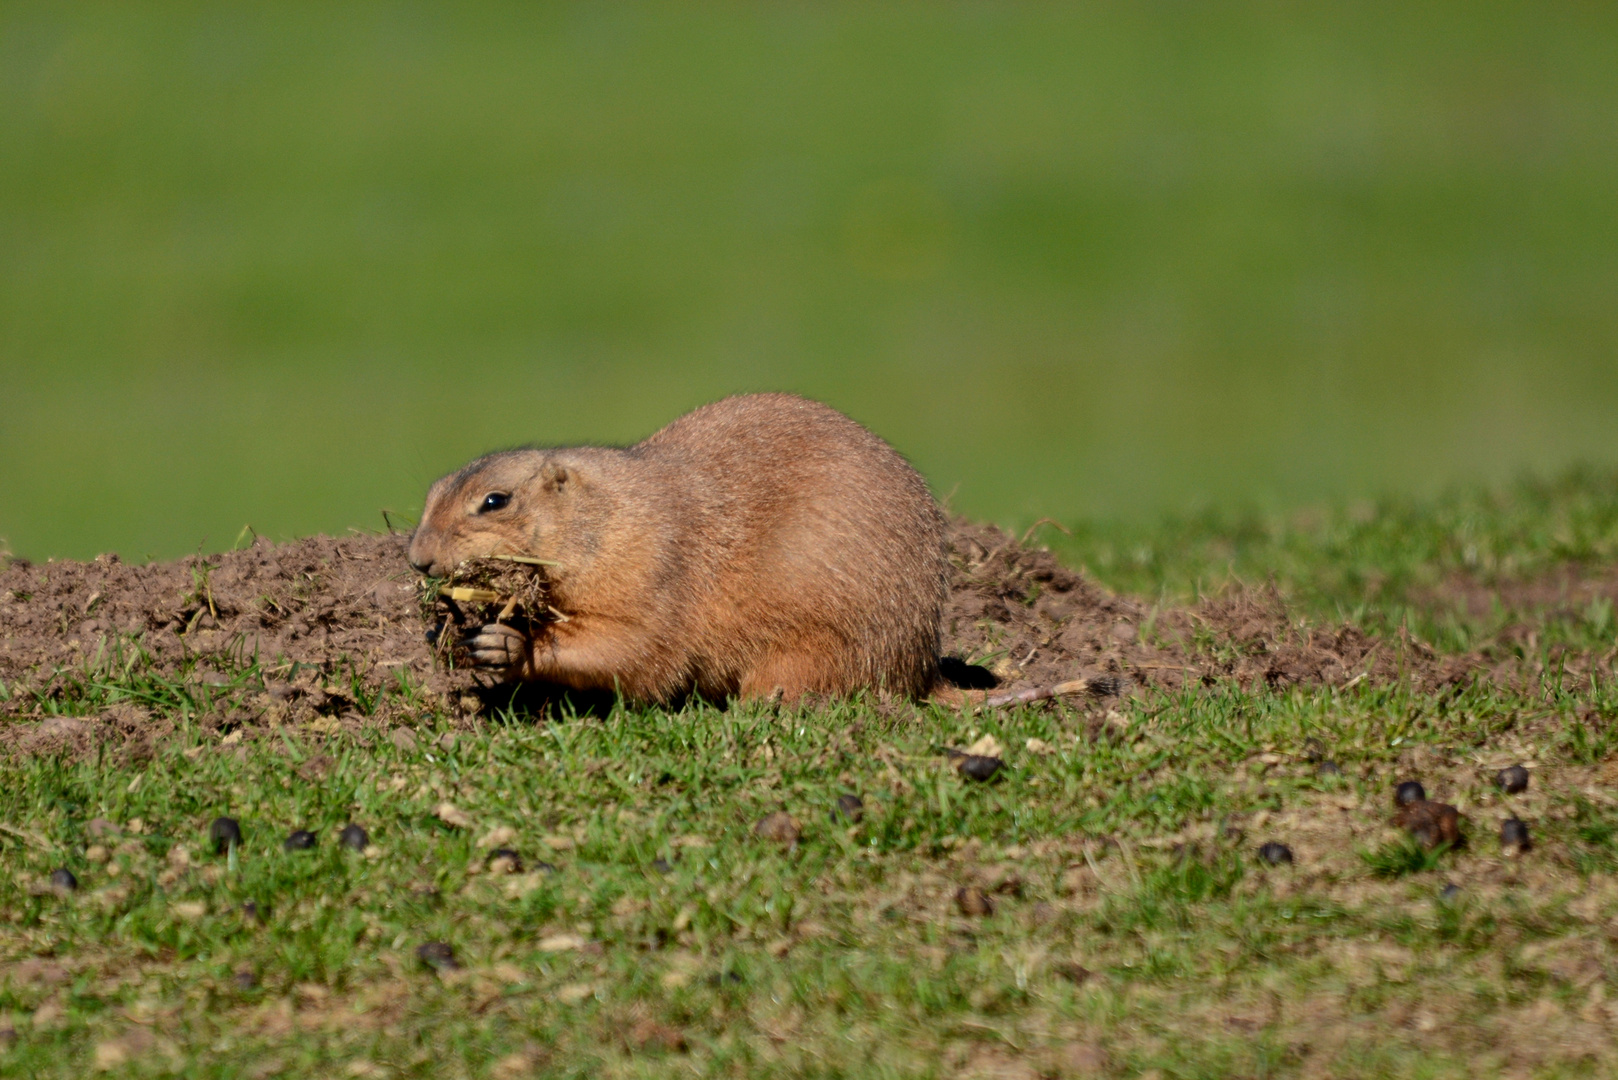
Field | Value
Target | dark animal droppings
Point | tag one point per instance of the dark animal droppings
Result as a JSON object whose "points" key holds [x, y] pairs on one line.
{"points": [[225, 832], [1430, 823], [1512, 780], [1514, 835], [1275, 853], [850, 808], [978, 766], [299, 840], [354, 837], [437, 955], [1409, 792], [62, 878], [974, 902]]}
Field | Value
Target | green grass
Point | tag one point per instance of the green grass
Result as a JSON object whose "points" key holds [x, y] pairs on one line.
{"points": [[1383, 564], [1134, 924], [283, 265]]}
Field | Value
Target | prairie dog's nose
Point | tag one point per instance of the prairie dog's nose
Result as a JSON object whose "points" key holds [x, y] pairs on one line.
{"points": [[420, 559]]}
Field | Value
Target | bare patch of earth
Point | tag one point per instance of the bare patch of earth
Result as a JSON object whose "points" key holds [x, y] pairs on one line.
{"points": [[331, 621]]}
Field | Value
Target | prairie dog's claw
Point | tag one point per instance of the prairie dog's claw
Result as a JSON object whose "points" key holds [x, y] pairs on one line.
{"points": [[500, 647]]}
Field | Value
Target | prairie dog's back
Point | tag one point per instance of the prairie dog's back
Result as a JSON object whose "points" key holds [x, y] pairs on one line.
{"points": [[812, 528]]}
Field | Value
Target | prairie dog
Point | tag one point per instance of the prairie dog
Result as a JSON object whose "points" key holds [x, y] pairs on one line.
{"points": [[762, 545]]}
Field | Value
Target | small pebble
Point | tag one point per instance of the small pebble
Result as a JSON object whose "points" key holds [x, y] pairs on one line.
{"points": [[299, 840], [978, 766], [1512, 780], [779, 827], [62, 880], [974, 902], [354, 837], [504, 861], [1449, 892], [437, 955], [1275, 853], [1409, 792], [1514, 836], [225, 832], [1329, 768], [850, 808]]}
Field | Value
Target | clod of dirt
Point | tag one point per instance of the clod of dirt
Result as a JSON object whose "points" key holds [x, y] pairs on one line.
{"points": [[1329, 768], [978, 767], [973, 902], [504, 861], [778, 827], [849, 809], [1409, 792], [1275, 853], [1514, 837], [648, 1034], [1077, 974], [404, 740], [452, 816], [298, 840], [1512, 780], [1449, 892], [101, 829], [245, 980], [354, 837], [437, 955], [1430, 823], [224, 833], [63, 881]]}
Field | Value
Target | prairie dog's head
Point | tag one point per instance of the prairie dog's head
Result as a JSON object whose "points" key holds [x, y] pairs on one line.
{"points": [[511, 503]]}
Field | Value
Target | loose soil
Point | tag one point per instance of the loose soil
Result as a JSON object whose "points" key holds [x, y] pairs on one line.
{"points": [[331, 620]]}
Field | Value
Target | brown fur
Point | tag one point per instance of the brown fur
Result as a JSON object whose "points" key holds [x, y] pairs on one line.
{"points": [[759, 545]]}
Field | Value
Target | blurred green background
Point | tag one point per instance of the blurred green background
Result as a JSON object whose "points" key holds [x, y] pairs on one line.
{"points": [[282, 265]]}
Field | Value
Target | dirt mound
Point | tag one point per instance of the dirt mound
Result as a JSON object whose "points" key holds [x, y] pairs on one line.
{"points": [[331, 621], [1033, 621]]}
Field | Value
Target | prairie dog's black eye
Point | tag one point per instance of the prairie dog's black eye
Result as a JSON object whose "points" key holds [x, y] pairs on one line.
{"points": [[494, 500]]}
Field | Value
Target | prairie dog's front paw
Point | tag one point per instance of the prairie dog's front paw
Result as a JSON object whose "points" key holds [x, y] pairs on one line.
{"points": [[500, 648]]}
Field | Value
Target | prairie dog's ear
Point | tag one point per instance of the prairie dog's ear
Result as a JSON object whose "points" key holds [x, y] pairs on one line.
{"points": [[554, 476]]}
